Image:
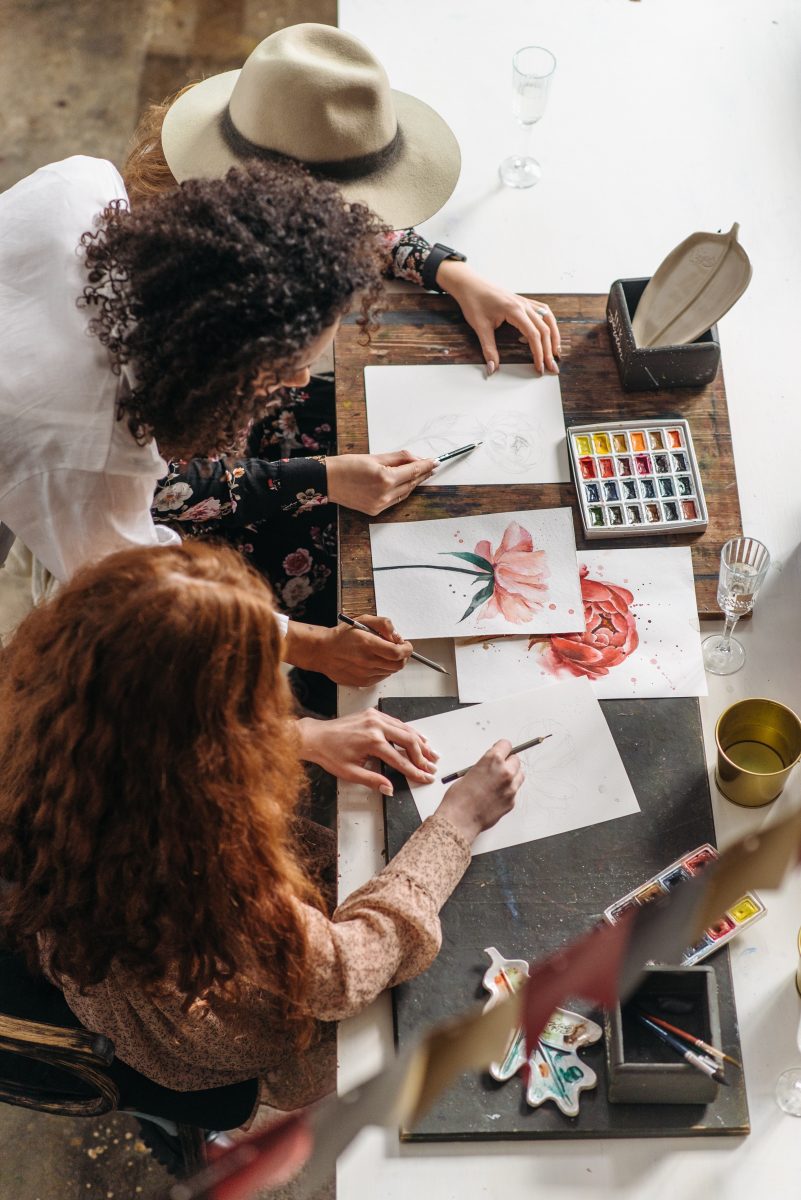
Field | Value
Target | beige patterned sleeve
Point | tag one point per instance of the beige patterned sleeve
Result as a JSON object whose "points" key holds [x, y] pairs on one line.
{"points": [[389, 929]]}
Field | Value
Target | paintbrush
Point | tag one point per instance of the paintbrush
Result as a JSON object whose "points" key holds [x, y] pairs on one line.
{"points": [[515, 750], [453, 453], [705, 1065], [693, 1040], [427, 662]]}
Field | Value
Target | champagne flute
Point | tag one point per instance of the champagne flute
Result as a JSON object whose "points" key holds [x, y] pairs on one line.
{"points": [[744, 564], [532, 72]]}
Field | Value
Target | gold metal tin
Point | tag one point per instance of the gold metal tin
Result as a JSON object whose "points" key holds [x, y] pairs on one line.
{"points": [[798, 969], [759, 743]]}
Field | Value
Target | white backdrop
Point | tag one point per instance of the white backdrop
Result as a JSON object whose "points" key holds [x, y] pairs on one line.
{"points": [[665, 116]]}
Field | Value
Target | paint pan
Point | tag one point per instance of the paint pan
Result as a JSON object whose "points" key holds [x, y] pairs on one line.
{"points": [[649, 466], [740, 916]]}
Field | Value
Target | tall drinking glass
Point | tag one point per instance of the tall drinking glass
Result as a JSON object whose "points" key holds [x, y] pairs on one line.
{"points": [[532, 72], [744, 564]]}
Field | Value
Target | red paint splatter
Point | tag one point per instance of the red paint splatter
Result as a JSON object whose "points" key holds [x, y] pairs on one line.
{"points": [[552, 607]]}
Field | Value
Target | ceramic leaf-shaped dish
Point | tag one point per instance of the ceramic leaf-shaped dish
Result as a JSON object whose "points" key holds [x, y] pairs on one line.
{"points": [[697, 283]]}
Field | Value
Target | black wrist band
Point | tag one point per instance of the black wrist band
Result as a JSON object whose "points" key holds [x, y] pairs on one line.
{"points": [[436, 255]]}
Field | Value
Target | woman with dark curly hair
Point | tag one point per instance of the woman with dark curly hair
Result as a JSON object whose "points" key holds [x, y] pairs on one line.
{"points": [[311, 92], [205, 301], [153, 857]]}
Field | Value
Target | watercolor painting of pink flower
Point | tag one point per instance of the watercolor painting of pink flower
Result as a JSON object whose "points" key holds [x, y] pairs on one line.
{"points": [[510, 580], [610, 633]]}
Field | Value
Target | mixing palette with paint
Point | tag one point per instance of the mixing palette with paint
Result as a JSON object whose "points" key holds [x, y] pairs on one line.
{"points": [[744, 913], [636, 480]]}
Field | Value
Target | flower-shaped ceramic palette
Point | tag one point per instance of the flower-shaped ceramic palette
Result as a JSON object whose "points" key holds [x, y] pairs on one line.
{"points": [[492, 573], [634, 480]]}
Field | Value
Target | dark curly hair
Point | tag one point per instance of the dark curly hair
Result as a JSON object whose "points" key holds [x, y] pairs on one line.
{"points": [[149, 774], [204, 288]]}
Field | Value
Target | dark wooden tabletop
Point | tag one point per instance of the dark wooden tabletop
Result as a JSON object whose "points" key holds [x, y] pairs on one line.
{"points": [[423, 328]]}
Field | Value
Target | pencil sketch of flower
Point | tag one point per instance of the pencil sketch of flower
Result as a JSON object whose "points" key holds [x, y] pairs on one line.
{"points": [[510, 580], [610, 633]]}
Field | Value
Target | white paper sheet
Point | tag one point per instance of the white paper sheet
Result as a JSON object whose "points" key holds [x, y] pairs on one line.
{"points": [[642, 635], [492, 573], [573, 779], [431, 410]]}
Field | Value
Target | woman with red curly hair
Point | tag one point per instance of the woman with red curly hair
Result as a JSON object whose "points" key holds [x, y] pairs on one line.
{"points": [[154, 860]]}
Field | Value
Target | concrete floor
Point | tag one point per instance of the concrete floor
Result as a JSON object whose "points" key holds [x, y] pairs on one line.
{"points": [[74, 75]]}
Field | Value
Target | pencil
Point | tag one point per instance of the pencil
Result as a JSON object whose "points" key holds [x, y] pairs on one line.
{"points": [[461, 450], [693, 1040], [515, 750], [427, 662], [705, 1065]]}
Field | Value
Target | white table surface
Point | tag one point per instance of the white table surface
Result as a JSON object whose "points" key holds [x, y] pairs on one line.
{"points": [[665, 116]]}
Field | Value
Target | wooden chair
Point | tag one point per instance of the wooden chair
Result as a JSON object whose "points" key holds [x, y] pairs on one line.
{"points": [[54, 1065]]}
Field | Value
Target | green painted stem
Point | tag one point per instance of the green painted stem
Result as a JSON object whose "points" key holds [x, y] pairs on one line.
{"points": [[432, 567]]}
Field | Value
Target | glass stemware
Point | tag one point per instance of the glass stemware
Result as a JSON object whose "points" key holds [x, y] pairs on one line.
{"points": [[744, 564], [532, 71], [788, 1091]]}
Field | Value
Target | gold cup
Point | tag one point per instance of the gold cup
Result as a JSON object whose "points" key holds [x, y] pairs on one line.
{"points": [[759, 743]]}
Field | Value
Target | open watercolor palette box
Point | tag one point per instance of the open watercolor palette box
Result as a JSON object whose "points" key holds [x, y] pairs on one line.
{"points": [[636, 479], [740, 916]]}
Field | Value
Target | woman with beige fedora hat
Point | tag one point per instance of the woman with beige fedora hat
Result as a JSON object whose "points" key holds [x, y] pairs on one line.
{"points": [[316, 94]]}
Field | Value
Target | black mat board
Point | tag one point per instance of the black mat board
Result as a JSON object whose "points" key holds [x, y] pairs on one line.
{"points": [[530, 899]]}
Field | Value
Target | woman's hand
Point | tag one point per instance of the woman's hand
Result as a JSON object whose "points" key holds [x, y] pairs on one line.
{"points": [[485, 307], [369, 483], [486, 793], [345, 654], [343, 747]]}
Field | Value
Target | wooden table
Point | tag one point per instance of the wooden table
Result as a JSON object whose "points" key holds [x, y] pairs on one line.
{"points": [[425, 328]]}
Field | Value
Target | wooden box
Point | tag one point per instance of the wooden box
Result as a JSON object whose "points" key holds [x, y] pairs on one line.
{"points": [[641, 1068], [649, 369]]}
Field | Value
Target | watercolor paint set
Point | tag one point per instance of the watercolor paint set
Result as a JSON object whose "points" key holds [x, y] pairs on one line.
{"points": [[636, 479], [740, 916]]}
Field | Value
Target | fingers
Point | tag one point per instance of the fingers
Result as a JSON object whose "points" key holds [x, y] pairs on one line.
{"points": [[384, 627], [395, 458], [489, 347], [410, 474], [544, 312], [499, 750], [374, 653], [393, 758], [385, 733], [370, 779], [538, 336]]}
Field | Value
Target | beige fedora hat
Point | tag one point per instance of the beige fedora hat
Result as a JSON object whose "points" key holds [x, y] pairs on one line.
{"points": [[318, 95]]}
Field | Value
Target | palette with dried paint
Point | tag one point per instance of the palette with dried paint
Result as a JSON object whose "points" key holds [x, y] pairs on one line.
{"points": [[740, 916], [554, 1070], [636, 480]]}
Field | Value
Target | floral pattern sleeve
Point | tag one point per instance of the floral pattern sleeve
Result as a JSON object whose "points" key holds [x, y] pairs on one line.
{"points": [[407, 252], [198, 495]]}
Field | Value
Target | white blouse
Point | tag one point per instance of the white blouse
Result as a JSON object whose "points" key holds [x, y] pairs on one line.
{"points": [[74, 483]]}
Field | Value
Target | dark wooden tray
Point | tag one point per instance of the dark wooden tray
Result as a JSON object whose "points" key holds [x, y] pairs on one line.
{"points": [[423, 328], [528, 900]]}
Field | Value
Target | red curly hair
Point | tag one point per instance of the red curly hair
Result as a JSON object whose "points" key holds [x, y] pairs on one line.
{"points": [[149, 775]]}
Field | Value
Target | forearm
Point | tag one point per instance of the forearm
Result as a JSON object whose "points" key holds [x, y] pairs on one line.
{"points": [[389, 930], [236, 493]]}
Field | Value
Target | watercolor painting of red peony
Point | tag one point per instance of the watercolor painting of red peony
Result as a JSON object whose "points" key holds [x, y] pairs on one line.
{"points": [[497, 572], [640, 637]]}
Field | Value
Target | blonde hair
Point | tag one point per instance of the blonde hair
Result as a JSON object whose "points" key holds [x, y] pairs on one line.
{"points": [[145, 171]]}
